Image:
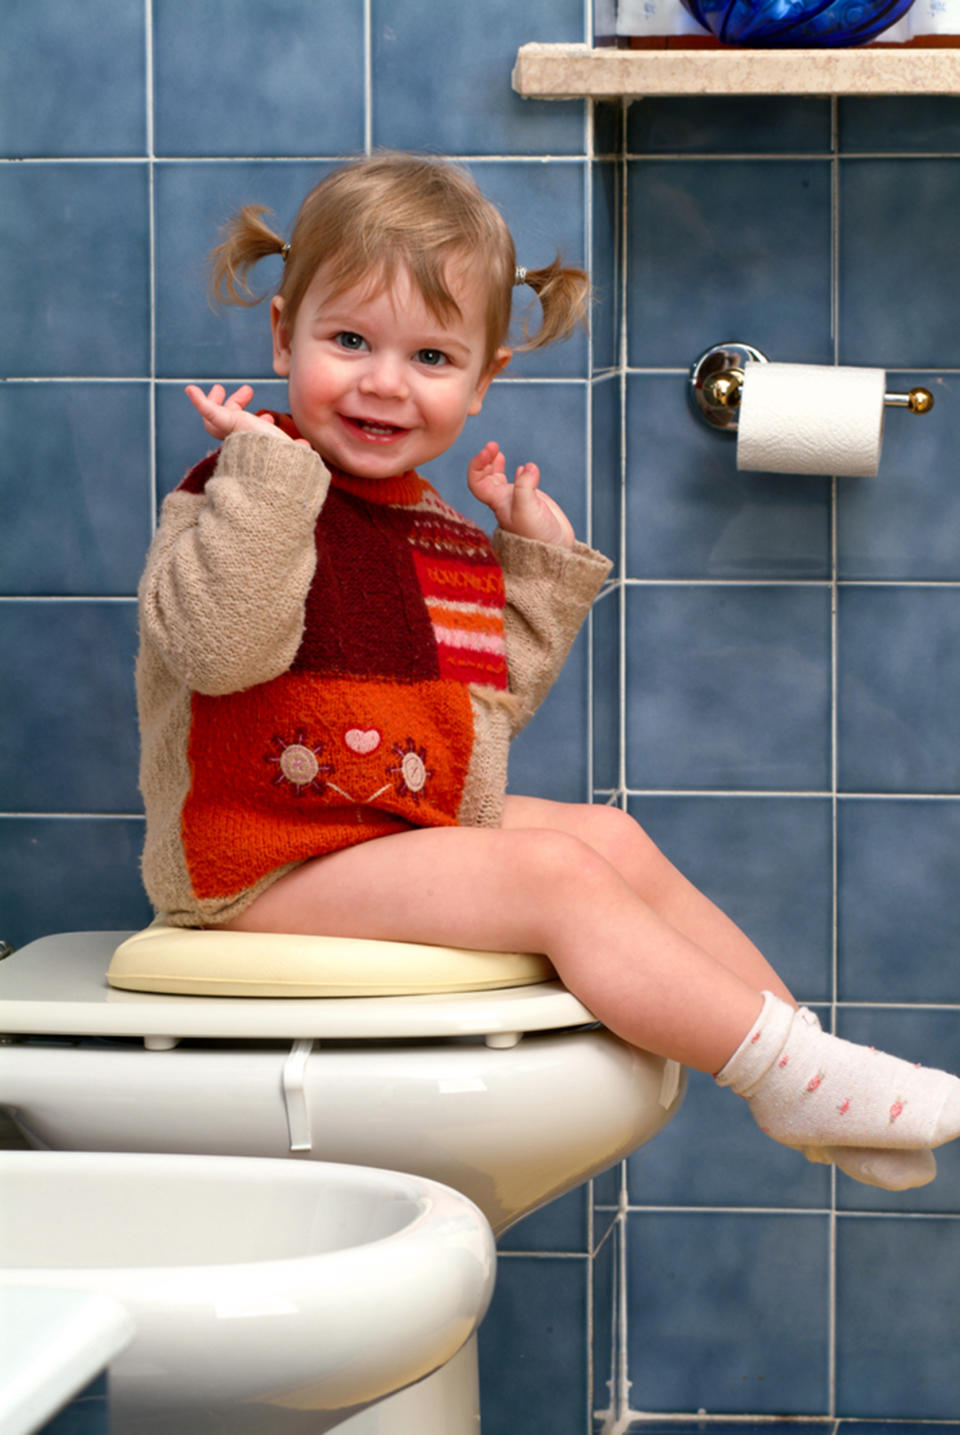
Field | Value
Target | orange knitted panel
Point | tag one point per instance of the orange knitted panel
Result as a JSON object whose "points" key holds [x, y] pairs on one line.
{"points": [[293, 769]]}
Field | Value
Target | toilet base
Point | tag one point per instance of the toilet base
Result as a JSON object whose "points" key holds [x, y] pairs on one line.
{"points": [[447, 1401]]}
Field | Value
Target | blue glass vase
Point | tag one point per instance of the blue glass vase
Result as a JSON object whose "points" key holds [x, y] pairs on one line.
{"points": [[786, 23]]}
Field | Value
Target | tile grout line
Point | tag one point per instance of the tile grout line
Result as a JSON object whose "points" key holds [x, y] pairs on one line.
{"points": [[620, 1389], [588, 399], [152, 477], [622, 356], [588, 249], [831, 1292], [367, 77]]}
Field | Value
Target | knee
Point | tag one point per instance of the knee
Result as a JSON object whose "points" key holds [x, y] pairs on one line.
{"points": [[616, 835], [622, 842], [552, 860]]}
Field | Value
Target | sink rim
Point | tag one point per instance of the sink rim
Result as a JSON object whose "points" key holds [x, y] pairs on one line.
{"points": [[414, 1202]]}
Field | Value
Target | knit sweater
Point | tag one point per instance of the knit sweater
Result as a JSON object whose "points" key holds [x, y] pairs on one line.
{"points": [[325, 660]]}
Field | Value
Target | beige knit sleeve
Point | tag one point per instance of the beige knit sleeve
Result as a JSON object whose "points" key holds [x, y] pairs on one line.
{"points": [[550, 591], [223, 592]]}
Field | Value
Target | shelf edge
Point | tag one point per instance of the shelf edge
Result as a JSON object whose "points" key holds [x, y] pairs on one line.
{"points": [[578, 72]]}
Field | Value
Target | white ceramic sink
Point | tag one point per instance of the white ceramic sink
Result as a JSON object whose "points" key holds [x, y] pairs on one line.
{"points": [[267, 1296], [53, 1343]]}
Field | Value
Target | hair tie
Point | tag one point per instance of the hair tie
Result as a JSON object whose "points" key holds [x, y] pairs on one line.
{"points": [[284, 252], [519, 275]]}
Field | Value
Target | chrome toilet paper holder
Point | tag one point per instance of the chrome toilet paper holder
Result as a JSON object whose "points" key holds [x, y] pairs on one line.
{"points": [[715, 386]]}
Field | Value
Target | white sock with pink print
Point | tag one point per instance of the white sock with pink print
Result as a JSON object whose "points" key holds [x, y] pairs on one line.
{"points": [[807, 1088]]}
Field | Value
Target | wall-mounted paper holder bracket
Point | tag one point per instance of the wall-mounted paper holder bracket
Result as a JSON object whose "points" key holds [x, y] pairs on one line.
{"points": [[715, 386]]}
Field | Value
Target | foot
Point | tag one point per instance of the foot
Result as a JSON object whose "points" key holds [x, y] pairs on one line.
{"points": [[808, 1088], [891, 1170]]}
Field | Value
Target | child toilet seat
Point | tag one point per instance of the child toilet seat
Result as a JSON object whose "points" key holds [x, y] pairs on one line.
{"points": [[57, 986], [211, 962]]}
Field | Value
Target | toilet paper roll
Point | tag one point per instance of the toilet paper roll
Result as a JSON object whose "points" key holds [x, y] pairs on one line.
{"points": [[806, 418]]}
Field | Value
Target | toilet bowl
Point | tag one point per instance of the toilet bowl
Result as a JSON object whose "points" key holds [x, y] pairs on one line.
{"points": [[510, 1094], [267, 1298]]}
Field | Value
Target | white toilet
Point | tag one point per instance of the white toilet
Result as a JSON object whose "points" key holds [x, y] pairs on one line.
{"points": [[478, 1070]]}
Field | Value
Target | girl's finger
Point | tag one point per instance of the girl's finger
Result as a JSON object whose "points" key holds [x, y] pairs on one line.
{"points": [[198, 398], [488, 457]]}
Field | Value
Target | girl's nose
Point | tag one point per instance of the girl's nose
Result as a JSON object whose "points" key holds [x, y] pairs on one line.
{"points": [[384, 375]]}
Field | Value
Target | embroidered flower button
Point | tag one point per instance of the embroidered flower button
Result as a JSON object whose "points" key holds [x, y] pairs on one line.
{"points": [[298, 764], [413, 769], [412, 772]]}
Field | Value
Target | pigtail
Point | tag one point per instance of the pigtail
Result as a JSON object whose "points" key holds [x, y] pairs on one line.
{"points": [[247, 238], [564, 293]]}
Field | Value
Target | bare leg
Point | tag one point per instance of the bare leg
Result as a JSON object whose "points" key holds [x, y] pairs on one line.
{"points": [[533, 889], [625, 845]]}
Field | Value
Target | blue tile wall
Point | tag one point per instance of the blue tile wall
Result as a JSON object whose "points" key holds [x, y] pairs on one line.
{"points": [[417, 102], [764, 227], [273, 84], [898, 688], [75, 511], [767, 863], [905, 200], [729, 688], [63, 91], [885, 1265], [771, 681], [83, 310], [70, 741], [709, 1294], [534, 1359]]}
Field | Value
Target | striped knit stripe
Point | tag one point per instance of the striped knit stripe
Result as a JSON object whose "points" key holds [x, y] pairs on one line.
{"points": [[467, 617], [473, 668], [480, 642]]}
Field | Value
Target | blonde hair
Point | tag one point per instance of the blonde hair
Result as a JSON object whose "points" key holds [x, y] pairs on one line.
{"points": [[375, 214]]}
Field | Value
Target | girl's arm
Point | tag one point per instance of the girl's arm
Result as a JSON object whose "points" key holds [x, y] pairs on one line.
{"points": [[551, 579], [222, 596], [550, 590]]}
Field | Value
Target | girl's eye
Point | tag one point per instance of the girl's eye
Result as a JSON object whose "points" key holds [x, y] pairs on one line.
{"points": [[433, 358], [349, 340]]}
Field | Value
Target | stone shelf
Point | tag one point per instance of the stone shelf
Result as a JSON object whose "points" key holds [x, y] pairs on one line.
{"points": [[577, 72]]}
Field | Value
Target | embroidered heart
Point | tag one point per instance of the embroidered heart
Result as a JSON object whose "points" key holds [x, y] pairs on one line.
{"points": [[362, 741]]}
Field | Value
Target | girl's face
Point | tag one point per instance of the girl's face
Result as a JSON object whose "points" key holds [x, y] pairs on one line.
{"points": [[377, 383]]}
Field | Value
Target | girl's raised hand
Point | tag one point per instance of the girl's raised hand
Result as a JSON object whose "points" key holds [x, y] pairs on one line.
{"points": [[222, 415], [519, 507]]}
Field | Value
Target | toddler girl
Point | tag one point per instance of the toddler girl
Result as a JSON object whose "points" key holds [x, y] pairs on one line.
{"points": [[333, 662]]}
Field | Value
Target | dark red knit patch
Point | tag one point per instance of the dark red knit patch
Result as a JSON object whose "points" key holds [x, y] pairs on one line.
{"points": [[200, 475], [365, 615]]}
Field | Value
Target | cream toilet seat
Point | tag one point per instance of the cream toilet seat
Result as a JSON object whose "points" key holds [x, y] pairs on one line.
{"points": [[187, 961]]}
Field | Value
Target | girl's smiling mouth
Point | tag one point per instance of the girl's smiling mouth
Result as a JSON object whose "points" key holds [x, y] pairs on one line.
{"points": [[373, 429]]}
